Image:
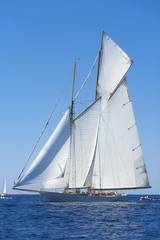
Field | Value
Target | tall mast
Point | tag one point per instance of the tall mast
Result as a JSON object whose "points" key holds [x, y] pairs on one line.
{"points": [[71, 112], [99, 58], [73, 163]]}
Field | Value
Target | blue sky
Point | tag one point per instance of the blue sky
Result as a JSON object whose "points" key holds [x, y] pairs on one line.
{"points": [[38, 44]]}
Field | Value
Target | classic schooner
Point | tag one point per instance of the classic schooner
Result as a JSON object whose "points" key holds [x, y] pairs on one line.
{"points": [[97, 151]]}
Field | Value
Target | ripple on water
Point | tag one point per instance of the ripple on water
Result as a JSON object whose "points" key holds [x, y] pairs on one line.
{"points": [[30, 217]]}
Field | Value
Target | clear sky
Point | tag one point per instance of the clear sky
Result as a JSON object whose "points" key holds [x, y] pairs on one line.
{"points": [[39, 40]]}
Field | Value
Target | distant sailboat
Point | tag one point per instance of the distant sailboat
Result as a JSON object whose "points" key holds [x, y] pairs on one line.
{"points": [[4, 193], [99, 150]]}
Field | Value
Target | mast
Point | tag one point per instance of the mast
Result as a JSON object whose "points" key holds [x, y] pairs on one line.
{"points": [[72, 102], [71, 119], [99, 58]]}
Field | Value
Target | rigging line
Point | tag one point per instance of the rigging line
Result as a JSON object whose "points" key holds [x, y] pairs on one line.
{"points": [[47, 123], [86, 78]]}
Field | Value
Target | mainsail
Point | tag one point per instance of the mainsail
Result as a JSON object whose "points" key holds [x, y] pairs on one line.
{"points": [[119, 160], [100, 149]]}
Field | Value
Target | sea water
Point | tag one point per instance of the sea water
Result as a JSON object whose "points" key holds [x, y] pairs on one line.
{"points": [[27, 217]]}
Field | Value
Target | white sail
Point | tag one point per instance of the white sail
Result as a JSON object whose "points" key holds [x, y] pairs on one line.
{"points": [[55, 183], [84, 135], [119, 160], [114, 64], [50, 162], [4, 187], [57, 177]]}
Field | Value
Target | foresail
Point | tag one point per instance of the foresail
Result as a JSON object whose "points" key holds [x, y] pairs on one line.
{"points": [[119, 160], [50, 162], [56, 174], [114, 64]]}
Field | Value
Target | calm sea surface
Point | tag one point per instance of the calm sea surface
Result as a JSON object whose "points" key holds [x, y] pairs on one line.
{"points": [[30, 217]]}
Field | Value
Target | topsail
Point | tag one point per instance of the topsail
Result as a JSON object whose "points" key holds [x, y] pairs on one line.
{"points": [[114, 64]]}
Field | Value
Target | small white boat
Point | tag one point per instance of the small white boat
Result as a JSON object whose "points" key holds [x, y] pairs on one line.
{"points": [[145, 198], [4, 193]]}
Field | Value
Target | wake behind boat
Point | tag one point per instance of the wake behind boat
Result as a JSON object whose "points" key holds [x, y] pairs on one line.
{"points": [[97, 151]]}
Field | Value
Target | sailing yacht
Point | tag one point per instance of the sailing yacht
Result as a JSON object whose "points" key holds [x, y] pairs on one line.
{"points": [[4, 193], [89, 157]]}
